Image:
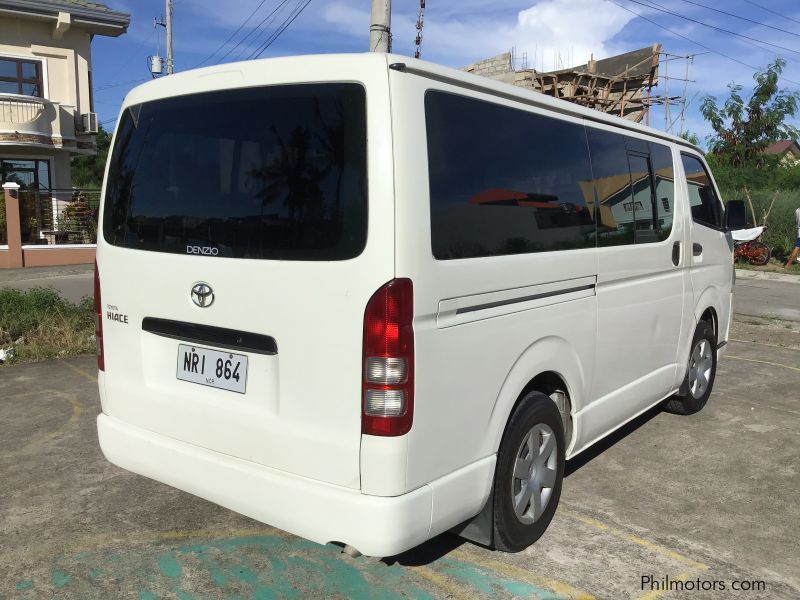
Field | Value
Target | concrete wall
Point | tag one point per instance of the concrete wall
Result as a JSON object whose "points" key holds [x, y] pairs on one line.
{"points": [[498, 67]]}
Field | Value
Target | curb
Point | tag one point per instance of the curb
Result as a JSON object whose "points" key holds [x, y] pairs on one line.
{"points": [[767, 275]]}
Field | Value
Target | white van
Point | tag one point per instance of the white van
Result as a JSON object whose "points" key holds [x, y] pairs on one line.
{"points": [[367, 299]]}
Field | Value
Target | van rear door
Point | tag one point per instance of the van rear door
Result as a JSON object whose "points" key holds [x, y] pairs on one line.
{"points": [[239, 250]]}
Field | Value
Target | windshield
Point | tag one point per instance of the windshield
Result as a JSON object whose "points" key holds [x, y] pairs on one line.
{"points": [[272, 173]]}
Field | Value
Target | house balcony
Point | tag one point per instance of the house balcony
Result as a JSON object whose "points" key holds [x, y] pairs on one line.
{"points": [[36, 122]]}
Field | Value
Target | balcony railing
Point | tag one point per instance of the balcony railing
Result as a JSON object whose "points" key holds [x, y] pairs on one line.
{"points": [[28, 119], [59, 217], [18, 109]]}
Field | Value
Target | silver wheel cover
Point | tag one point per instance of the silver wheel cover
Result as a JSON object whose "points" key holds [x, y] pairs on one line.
{"points": [[535, 473], [701, 363]]}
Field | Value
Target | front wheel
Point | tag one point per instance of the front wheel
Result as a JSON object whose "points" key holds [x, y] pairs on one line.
{"points": [[758, 253], [529, 473], [700, 373]]}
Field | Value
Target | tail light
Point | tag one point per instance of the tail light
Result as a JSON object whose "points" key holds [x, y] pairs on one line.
{"points": [[98, 320], [388, 360]]}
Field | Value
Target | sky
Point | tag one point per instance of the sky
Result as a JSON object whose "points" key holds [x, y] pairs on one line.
{"points": [[727, 40]]}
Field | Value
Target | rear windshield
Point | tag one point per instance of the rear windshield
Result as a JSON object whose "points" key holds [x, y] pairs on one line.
{"points": [[268, 173]]}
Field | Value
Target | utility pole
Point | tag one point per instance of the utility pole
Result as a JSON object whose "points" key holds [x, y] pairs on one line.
{"points": [[380, 33], [169, 38]]}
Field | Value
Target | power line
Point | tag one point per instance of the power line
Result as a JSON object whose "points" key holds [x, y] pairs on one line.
{"points": [[281, 29], [741, 18], [654, 6], [769, 10], [231, 36], [252, 31], [688, 39], [115, 85]]}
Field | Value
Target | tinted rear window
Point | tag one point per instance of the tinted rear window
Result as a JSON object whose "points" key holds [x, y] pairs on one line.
{"points": [[271, 173]]}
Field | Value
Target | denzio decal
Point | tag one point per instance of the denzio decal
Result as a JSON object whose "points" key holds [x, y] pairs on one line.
{"points": [[206, 250]]}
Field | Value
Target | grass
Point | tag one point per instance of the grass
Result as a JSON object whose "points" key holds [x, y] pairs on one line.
{"points": [[774, 266], [50, 326]]}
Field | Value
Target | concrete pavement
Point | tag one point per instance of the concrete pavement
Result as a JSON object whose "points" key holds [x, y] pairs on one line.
{"points": [[708, 499]]}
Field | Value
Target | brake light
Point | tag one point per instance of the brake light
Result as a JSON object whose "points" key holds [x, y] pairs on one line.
{"points": [[388, 361], [98, 321]]}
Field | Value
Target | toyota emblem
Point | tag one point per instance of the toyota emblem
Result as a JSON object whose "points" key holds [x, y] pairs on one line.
{"points": [[202, 295]]}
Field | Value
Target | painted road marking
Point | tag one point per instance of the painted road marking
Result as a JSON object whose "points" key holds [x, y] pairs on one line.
{"points": [[635, 539], [513, 571], [451, 589], [765, 344], [79, 371], [763, 362], [41, 439]]}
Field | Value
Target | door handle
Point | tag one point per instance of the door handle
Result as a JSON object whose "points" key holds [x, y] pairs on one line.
{"points": [[676, 253], [697, 249]]}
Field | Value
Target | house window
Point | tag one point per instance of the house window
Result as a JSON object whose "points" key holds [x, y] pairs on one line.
{"points": [[19, 76], [29, 173]]}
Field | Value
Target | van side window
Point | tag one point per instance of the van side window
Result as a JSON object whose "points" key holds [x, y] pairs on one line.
{"points": [[504, 180], [664, 171], [706, 208], [612, 186]]}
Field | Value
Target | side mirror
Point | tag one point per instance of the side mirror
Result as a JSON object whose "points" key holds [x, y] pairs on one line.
{"points": [[735, 215]]}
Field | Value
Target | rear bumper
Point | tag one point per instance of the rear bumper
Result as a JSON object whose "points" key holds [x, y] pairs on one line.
{"points": [[375, 525]]}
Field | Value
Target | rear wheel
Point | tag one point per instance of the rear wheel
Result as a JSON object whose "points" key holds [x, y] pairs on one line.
{"points": [[529, 473], [758, 253], [700, 373]]}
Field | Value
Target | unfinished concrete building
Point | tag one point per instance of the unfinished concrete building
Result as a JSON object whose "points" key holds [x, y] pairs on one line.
{"points": [[620, 85]]}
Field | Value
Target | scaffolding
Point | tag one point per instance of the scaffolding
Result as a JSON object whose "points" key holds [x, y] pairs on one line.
{"points": [[622, 85]]}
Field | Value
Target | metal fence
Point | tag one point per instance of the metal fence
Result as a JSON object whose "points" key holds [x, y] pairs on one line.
{"points": [[58, 217]]}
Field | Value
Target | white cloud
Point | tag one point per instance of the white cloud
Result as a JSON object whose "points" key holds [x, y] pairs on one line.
{"points": [[576, 28]]}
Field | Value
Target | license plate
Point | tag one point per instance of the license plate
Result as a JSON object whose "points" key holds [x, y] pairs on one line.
{"points": [[213, 368]]}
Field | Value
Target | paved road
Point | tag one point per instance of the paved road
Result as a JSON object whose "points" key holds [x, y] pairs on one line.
{"points": [[709, 498], [73, 281], [765, 298]]}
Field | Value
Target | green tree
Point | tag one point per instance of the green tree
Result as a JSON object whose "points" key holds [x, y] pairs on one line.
{"points": [[87, 171], [742, 130], [690, 137]]}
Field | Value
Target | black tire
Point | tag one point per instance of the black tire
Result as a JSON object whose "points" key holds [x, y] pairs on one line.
{"points": [[759, 253], [692, 396], [537, 416]]}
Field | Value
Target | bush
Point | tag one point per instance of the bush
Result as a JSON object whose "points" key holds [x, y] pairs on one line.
{"points": [[50, 325], [782, 231]]}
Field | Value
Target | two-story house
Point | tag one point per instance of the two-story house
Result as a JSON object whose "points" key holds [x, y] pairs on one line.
{"points": [[46, 107]]}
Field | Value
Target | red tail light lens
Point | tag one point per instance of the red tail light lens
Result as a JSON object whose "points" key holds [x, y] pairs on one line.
{"points": [[98, 318], [388, 361]]}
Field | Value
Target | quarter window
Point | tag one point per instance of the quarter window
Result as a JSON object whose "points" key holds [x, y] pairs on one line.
{"points": [[705, 206], [645, 212], [612, 186], [18, 76], [664, 172], [505, 181]]}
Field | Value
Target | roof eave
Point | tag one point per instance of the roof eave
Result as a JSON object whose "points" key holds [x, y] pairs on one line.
{"points": [[99, 22]]}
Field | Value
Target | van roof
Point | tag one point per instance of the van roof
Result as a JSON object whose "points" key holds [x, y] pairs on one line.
{"points": [[169, 86]]}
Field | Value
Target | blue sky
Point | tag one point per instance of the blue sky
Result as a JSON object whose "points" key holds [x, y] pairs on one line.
{"points": [[551, 32]]}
